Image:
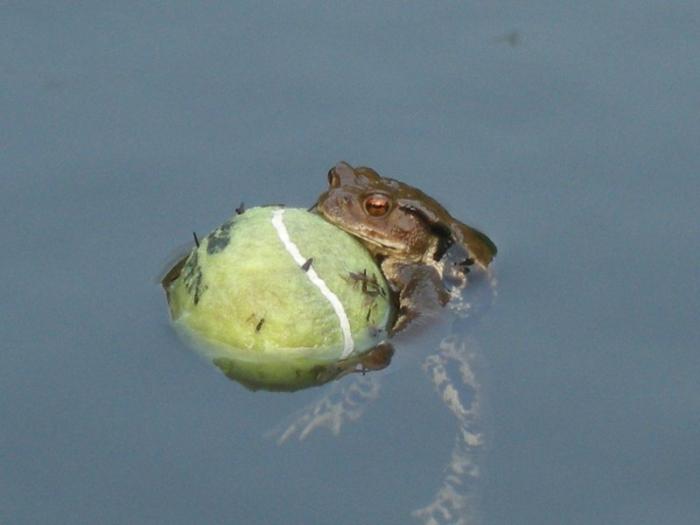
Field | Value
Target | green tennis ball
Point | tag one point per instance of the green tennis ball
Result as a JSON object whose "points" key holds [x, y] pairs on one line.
{"points": [[275, 293]]}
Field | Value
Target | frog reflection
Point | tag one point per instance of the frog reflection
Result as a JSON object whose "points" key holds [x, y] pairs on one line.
{"points": [[421, 248], [452, 366]]}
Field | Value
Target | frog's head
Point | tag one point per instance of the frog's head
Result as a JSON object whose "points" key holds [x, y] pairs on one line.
{"points": [[396, 220]]}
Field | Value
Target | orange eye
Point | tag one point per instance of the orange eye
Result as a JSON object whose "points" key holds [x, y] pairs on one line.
{"points": [[377, 205]]}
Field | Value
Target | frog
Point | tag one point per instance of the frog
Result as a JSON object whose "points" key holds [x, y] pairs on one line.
{"points": [[423, 251]]}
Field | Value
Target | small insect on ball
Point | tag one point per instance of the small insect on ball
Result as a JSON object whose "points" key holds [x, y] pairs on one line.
{"points": [[274, 292]]}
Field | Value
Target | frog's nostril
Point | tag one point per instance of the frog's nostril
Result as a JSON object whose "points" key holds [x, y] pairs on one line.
{"points": [[333, 179]]}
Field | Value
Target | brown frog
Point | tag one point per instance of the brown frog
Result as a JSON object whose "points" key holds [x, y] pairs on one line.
{"points": [[421, 248]]}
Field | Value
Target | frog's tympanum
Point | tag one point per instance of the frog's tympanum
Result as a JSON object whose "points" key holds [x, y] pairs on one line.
{"points": [[422, 249]]}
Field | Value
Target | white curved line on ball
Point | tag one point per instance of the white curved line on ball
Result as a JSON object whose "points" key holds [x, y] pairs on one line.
{"points": [[283, 234]]}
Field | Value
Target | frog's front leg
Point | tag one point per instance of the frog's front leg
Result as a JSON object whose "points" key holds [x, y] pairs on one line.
{"points": [[419, 290], [374, 359]]}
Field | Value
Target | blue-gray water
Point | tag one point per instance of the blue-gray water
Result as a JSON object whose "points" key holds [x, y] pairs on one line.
{"points": [[568, 131]]}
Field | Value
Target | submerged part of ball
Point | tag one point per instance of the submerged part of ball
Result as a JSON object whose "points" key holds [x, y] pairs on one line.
{"points": [[275, 293]]}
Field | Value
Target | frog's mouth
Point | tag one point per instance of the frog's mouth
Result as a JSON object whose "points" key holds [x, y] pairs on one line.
{"points": [[384, 247]]}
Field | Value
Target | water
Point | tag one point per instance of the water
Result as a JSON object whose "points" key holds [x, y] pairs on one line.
{"points": [[568, 132]]}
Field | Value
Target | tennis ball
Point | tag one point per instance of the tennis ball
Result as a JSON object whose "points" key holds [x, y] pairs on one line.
{"points": [[276, 294]]}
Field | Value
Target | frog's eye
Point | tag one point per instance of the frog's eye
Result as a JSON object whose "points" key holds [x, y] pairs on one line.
{"points": [[377, 205]]}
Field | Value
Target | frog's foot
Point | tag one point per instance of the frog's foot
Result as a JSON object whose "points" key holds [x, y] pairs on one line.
{"points": [[421, 294], [374, 359], [404, 318], [343, 402], [456, 499]]}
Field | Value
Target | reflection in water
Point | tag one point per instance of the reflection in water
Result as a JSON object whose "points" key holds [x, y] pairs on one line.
{"points": [[344, 401], [451, 371], [455, 500]]}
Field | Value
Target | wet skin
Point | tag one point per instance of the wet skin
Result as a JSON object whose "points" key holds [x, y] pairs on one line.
{"points": [[421, 248]]}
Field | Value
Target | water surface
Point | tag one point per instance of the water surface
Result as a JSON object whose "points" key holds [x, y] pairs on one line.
{"points": [[568, 132]]}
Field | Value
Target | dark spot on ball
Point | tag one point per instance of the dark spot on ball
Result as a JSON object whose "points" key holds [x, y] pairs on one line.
{"points": [[192, 277], [218, 240]]}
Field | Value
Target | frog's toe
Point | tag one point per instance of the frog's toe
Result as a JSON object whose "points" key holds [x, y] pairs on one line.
{"points": [[403, 320]]}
